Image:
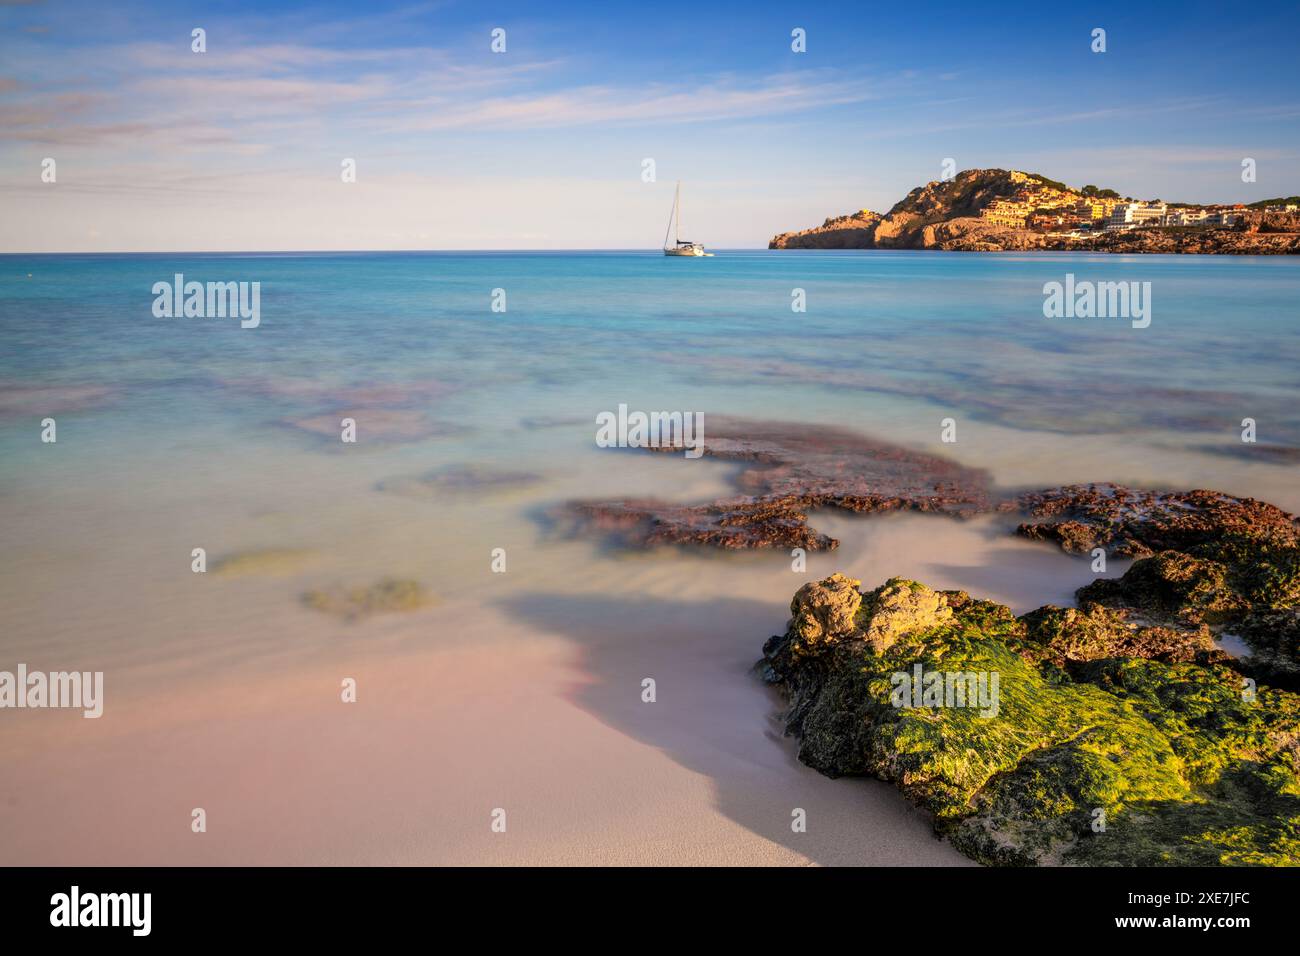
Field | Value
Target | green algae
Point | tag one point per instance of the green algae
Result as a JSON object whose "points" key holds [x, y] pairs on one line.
{"points": [[354, 603], [1093, 757], [268, 562]]}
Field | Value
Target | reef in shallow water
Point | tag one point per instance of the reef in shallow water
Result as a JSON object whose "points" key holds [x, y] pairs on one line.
{"points": [[1205, 560], [1060, 737], [786, 471], [383, 597]]}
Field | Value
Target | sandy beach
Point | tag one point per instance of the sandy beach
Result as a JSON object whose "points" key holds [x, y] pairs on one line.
{"points": [[552, 729]]}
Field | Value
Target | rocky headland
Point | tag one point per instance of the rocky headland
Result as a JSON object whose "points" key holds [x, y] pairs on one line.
{"points": [[953, 216]]}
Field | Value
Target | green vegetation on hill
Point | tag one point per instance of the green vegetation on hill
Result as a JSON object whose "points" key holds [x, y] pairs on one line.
{"points": [[1283, 201], [1052, 183]]}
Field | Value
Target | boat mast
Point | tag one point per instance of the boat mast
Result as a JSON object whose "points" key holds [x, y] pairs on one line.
{"points": [[677, 205], [672, 216]]}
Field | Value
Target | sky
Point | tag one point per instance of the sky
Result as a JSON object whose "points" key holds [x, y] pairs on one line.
{"points": [[543, 146]]}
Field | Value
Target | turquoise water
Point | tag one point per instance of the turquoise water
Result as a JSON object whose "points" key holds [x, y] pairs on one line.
{"points": [[179, 431], [582, 330]]}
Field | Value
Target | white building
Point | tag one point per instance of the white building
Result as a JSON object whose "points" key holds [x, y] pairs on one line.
{"points": [[1134, 214], [1221, 218], [1186, 217]]}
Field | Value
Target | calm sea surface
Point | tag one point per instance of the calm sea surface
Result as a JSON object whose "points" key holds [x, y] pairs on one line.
{"points": [[177, 433]]}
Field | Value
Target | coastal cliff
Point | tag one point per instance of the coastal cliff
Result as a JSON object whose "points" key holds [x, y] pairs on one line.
{"points": [[965, 214]]}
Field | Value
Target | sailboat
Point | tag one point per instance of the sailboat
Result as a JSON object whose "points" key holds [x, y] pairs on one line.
{"points": [[680, 246]]}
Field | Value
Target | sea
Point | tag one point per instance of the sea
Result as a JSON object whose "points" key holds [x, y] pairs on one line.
{"points": [[486, 372], [212, 513]]}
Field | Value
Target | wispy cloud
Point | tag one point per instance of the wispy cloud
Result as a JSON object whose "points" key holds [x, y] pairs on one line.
{"points": [[233, 99]]}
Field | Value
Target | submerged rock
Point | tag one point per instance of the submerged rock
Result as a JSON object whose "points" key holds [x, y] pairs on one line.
{"points": [[788, 470], [378, 426], [731, 524], [18, 399], [459, 480], [269, 562], [1112, 759], [384, 596], [1205, 561]]}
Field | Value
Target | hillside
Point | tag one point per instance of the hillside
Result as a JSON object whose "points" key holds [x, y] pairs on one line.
{"points": [[991, 210]]}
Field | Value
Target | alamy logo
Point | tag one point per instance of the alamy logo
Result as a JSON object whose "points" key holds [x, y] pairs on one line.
{"points": [[55, 689], [921, 688], [212, 300], [103, 909], [1101, 300], [651, 430]]}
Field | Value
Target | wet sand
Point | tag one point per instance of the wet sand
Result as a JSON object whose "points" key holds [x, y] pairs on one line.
{"points": [[524, 698], [549, 728]]}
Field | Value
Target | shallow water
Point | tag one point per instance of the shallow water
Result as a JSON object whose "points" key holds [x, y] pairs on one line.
{"points": [[178, 433], [181, 433]]}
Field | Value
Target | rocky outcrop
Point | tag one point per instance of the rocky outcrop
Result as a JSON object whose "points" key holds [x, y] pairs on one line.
{"points": [[732, 524], [788, 470], [824, 610], [854, 231], [1136, 522], [946, 216], [1256, 221], [1207, 563], [1068, 636], [1193, 241], [928, 217], [900, 608], [1205, 559], [1081, 738]]}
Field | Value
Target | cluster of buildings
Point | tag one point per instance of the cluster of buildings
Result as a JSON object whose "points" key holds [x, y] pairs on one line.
{"points": [[1044, 208], [1110, 215], [1133, 215]]}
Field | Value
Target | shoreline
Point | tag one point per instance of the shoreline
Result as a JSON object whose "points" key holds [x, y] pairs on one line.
{"points": [[439, 738]]}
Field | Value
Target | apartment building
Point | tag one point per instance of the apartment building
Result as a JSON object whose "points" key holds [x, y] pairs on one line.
{"points": [[1006, 212], [1134, 214]]}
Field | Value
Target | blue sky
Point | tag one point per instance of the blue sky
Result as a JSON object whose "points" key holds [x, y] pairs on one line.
{"points": [[240, 147]]}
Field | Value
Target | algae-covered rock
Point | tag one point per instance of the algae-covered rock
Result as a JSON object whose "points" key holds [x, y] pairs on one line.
{"points": [[354, 603], [1204, 559], [1274, 639], [1081, 738], [1171, 585], [1066, 635], [824, 610]]}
